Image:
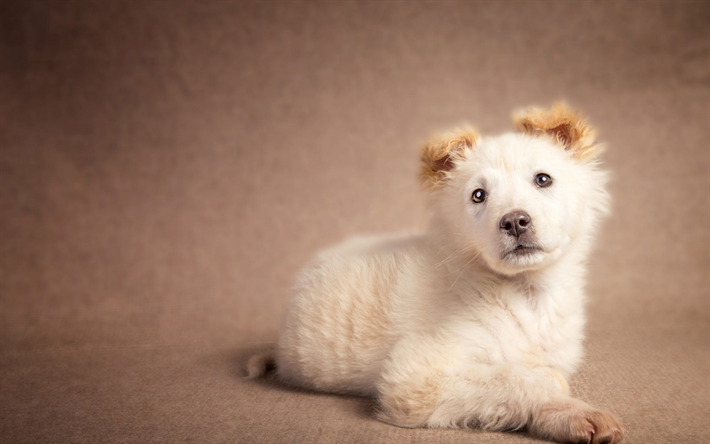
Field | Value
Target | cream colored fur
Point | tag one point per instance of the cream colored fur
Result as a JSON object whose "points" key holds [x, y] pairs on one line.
{"points": [[444, 328]]}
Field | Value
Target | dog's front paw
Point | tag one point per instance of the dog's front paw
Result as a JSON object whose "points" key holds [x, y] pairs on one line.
{"points": [[607, 429], [569, 423]]}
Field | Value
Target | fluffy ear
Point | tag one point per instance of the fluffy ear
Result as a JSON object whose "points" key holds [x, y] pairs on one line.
{"points": [[567, 127], [440, 154]]}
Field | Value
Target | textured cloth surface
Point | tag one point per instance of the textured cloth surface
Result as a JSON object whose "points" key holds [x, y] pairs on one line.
{"points": [[167, 167]]}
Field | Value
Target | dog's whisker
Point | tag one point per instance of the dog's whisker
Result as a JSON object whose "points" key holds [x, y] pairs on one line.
{"points": [[455, 254], [461, 273], [469, 246]]}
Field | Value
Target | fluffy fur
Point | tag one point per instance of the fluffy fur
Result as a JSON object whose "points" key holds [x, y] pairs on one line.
{"points": [[479, 321]]}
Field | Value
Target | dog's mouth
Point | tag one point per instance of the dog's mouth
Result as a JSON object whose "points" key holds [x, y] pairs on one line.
{"points": [[522, 250]]}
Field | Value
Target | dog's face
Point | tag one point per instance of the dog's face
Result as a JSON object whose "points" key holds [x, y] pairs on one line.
{"points": [[519, 200]]}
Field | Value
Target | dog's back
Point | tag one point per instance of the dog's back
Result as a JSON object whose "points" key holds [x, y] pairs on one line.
{"points": [[342, 317]]}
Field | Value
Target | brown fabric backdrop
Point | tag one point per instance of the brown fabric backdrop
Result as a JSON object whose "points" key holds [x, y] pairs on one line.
{"points": [[168, 166]]}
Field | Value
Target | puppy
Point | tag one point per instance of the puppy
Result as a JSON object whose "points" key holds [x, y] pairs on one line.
{"points": [[479, 321]]}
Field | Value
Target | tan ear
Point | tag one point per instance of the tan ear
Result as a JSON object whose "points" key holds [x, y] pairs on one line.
{"points": [[440, 154], [567, 127]]}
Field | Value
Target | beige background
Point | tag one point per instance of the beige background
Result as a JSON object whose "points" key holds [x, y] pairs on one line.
{"points": [[167, 167]]}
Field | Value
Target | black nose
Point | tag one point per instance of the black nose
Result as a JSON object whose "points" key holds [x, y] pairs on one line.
{"points": [[515, 223]]}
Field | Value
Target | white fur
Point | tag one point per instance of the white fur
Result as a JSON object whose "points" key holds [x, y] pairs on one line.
{"points": [[443, 330]]}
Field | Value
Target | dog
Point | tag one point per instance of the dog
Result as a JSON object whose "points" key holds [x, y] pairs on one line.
{"points": [[478, 322]]}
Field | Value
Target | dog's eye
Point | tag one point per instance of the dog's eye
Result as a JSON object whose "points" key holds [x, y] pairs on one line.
{"points": [[543, 180], [478, 196]]}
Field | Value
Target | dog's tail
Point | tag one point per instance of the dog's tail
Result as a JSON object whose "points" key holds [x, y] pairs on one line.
{"points": [[260, 363]]}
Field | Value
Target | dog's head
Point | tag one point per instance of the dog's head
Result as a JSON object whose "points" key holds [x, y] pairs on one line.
{"points": [[519, 200]]}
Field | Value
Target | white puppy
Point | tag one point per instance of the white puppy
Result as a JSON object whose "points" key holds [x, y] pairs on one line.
{"points": [[479, 322]]}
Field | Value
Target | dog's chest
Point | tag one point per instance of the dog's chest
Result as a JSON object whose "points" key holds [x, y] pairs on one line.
{"points": [[532, 327]]}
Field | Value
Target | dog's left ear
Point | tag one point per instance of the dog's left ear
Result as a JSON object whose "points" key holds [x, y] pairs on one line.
{"points": [[440, 154], [567, 127]]}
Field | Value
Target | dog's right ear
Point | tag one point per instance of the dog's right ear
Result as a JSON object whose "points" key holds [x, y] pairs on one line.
{"points": [[440, 154]]}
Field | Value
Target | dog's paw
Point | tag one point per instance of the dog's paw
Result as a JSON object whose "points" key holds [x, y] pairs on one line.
{"points": [[579, 425], [607, 429]]}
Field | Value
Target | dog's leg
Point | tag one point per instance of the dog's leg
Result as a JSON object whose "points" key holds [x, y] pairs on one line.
{"points": [[491, 397]]}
